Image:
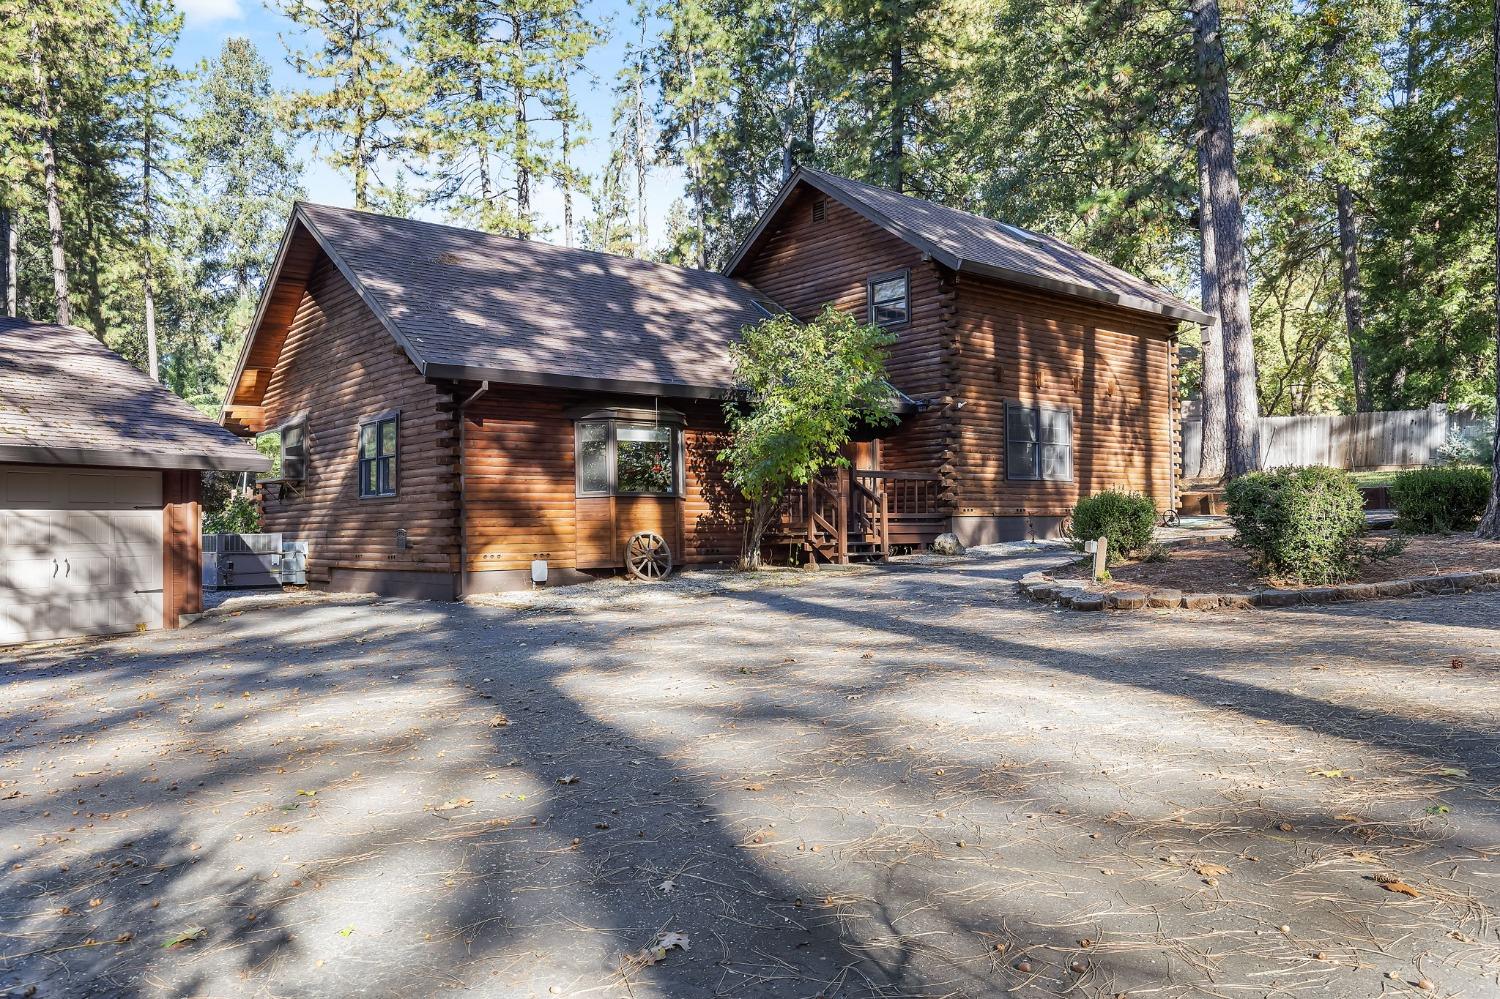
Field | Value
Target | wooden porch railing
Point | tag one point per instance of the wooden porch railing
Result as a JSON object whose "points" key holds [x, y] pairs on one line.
{"points": [[861, 511]]}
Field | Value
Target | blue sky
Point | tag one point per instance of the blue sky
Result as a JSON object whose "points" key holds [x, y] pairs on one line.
{"points": [[208, 22]]}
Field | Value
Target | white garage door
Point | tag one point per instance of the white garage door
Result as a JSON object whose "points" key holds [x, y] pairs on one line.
{"points": [[80, 552]]}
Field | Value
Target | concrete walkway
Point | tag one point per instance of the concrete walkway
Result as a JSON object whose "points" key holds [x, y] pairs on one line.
{"points": [[899, 781]]}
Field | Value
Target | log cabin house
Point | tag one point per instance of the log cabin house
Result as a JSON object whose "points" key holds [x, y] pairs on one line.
{"points": [[454, 406]]}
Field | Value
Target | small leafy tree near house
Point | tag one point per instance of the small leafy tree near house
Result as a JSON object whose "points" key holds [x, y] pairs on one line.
{"points": [[803, 390]]}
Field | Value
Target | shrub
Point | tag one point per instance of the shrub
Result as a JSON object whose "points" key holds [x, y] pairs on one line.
{"points": [[1128, 520], [1439, 500], [1302, 524]]}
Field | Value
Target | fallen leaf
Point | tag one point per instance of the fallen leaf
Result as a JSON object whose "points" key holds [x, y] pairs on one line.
{"points": [[757, 786], [346, 931], [1400, 888], [1452, 772], [1210, 870], [666, 886], [453, 803], [665, 942], [308, 794], [570, 779], [184, 937], [1327, 773]]}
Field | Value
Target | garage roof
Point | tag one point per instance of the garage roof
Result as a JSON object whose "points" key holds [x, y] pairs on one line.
{"points": [[66, 399]]}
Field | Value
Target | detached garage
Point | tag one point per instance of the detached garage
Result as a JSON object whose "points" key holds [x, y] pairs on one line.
{"points": [[100, 475]]}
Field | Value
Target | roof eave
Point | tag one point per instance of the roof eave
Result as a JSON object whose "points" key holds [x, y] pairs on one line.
{"points": [[1134, 303], [36, 454], [582, 383]]}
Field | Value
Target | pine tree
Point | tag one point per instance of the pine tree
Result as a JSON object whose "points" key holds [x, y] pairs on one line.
{"points": [[362, 111], [151, 95], [495, 80]]}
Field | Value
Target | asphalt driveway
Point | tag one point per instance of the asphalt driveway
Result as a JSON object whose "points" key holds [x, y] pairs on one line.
{"points": [[891, 782]]}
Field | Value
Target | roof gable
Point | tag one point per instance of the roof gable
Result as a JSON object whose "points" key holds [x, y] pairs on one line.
{"points": [[66, 399], [468, 305], [963, 241]]}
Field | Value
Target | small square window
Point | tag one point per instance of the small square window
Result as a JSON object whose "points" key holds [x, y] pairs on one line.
{"points": [[379, 440], [889, 304]]}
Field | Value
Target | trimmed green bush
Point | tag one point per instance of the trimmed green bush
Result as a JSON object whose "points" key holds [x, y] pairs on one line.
{"points": [[1439, 500], [1302, 524], [1128, 520]]}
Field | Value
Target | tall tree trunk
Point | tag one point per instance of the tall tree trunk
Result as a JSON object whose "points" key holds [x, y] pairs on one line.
{"points": [[146, 237], [642, 156], [695, 166], [361, 166], [566, 114], [1489, 527], [898, 112], [1211, 463], [8, 259], [1241, 406], [49, 175], [1354, 307]]}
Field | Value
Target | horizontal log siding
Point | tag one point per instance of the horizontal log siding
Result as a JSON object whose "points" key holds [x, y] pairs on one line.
{"points": [[803, 265], [519, 486], [1113, 368], [339, 365]]}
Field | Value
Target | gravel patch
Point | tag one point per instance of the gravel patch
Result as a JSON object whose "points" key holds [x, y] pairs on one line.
{"points": [[873, 782]]}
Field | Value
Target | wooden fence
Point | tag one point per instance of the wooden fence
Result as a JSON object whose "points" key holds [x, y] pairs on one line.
{"points": [[1359, 441]]}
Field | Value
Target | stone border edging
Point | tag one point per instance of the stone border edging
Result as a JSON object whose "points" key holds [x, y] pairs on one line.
{"points": [[1075, 596]]}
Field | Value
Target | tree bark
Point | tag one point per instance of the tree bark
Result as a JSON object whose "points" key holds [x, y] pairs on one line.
{"points": [[146, 236], [1211, 461], [898, 112], [8, 259], [1241, 406], [1489, 526], [49, 175], [1354, 307]]}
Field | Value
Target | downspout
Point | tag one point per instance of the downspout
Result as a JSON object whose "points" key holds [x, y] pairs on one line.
{"points": [[463, 534]]}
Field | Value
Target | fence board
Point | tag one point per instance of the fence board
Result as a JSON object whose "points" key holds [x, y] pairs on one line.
{"points": [[1358, 441]]}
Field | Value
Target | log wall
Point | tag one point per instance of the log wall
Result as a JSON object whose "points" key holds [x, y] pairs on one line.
{"points": [[803, 264], [520, 499], [339, 365], [1116, 371]]}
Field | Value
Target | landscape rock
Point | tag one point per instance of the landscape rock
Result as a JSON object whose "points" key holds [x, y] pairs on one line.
{"points": [[1088, 602], [1278, 598], [1164, 598], [1236, 601], [947, 544], [1200, 601], [1129, 600]]}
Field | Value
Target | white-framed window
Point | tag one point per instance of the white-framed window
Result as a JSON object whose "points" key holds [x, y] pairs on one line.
{"points": [[379, 442], [1038, 443], [617, 457], [889, 299]]}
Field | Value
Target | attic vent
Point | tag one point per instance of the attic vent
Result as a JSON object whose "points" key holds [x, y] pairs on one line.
{"points": [[820, 210]]}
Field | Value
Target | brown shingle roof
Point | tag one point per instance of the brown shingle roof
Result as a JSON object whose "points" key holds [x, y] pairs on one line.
{"points": [[964, 241], [66, 399], [473, 305]]}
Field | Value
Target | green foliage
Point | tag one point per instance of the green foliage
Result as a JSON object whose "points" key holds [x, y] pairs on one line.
{"points": [[239, 516], [1440, 500], [1301, 524], [1127, 520], [804, 388]]}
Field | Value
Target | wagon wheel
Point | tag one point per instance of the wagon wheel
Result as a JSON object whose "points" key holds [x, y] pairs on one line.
{"points": [[647, 556]]}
